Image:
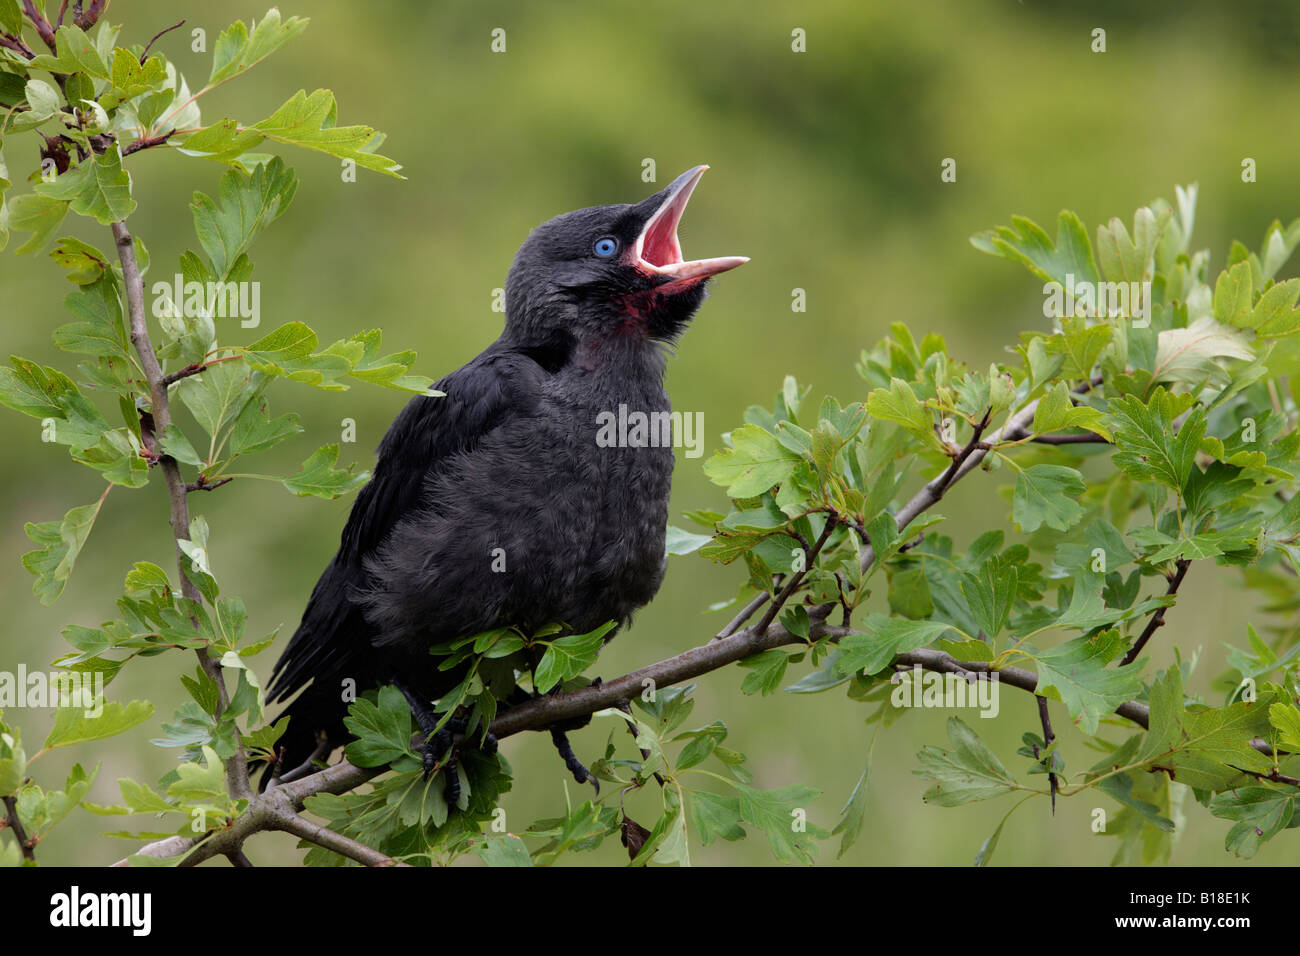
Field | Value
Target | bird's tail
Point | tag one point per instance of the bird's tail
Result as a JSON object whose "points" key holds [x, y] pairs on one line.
{"points": [[315, 728]]}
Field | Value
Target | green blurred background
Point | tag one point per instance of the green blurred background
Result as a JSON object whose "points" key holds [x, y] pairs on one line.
{"points": [[825, 171]]}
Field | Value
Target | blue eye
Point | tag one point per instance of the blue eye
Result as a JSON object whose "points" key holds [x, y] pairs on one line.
{"points": [[605, 247]]}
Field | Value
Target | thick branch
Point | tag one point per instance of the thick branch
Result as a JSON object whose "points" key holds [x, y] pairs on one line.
{"points": [[330, 840], [160, 409]]}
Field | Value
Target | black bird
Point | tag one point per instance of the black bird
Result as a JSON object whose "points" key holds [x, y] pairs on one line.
{"points": [[495, 505]]}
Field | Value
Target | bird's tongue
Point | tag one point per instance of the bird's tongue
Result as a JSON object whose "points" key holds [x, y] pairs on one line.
{"points": [[658, 250], [659, 245]]}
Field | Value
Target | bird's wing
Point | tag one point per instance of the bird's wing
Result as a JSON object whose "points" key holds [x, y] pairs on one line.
{"points": [[333, 636]]}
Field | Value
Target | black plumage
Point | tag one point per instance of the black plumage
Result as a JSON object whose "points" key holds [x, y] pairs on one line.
{"points": [[495, 505]]}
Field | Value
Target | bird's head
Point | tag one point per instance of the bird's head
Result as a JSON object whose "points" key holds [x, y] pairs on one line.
{"points": [[607, 270]]}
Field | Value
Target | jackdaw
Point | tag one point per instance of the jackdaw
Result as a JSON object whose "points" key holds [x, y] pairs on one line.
{"points": [[496, 505]]}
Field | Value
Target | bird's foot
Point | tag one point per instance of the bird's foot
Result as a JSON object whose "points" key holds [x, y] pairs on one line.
{"points": [[580, 773], [440, 748]]}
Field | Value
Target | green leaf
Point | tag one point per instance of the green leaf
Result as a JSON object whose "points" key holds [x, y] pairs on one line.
{"points": [[131, 78], [1025, 242], [175, 443], [1147, 446], [773, 812], [855, 811], [1204, 747], [307, 121], [507, 850], [201, 784], [1045, 495], [217, 394], [99, 188], [83, 262], [990, 593], [1076, 674], [701, 745], [35, 390], [321, 479], [753, 464], [1261, 813], [567, 657], [39, 215], [254, 430], [971, 771], [715, 817], [1122, 786], [73, 726], [77, 54], [1124, 259], [899, 404], [60, 542], [678, 541], [1274, 315], [245, 205], [238, 48], [383, 730], [1196, 354], [883, 637], [1080, 344], [766, 671], [1056, 410], [1285, 716], [1232, 295]]}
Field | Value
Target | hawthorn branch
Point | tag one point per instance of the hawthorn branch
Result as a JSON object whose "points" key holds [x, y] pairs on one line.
{"points": [[1158, 618], [194, 368], [144, 142], [1075, 438], [16, 44], [540, 712], [202, 484], [43, 28], [277, 809], [90, 16], [165, 30], [797, 578], [160, 410], [1049, 735], [15, 825]]}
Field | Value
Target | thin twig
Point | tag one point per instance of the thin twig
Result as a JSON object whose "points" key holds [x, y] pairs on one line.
{"points": [[796, 578], [16, 44], [43, 28], [1079, 438], [16, 827], [202, 483], [144, 142], [165, 30], [1158, 618], [1049, 735]]}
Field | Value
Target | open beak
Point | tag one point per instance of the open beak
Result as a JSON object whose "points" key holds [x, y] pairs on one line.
{"points": [[657, 250]]}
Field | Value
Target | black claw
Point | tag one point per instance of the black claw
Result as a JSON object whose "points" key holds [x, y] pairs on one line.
{"points": [[571, 761], [451, 788]]}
